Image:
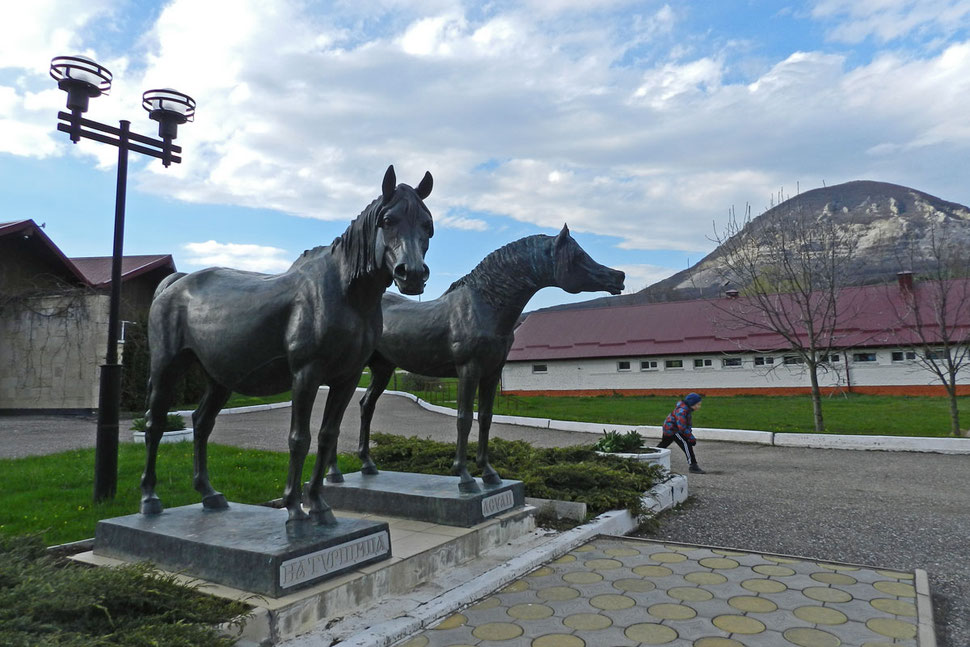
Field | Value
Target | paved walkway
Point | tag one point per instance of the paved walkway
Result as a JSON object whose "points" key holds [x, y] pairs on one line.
{"points": [[628, 592]]}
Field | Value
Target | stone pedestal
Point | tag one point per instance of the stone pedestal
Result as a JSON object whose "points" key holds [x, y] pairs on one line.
{"points": [[245, 546], [423, 497]]}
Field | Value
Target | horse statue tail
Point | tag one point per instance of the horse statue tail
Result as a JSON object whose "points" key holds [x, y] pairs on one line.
{"points": [[167, 281]]}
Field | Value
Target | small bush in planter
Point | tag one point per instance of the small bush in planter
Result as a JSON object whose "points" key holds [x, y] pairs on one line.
{"points": [[174, 422], [614, 442]]}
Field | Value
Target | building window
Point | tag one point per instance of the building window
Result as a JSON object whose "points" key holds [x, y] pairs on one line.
{"points": [[623, 365], [673, 363], [933, 354], [830, 359], [793, 359], [900, 356], [731, 362], [863, 357], [702, 363], [648, 365], [764, 360], [540, 368]]}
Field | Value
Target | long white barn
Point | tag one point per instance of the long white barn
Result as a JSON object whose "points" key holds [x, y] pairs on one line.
{"points": [[671, 348]]}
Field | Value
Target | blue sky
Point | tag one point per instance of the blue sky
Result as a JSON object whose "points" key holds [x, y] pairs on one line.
{"points": [[638, 123]]}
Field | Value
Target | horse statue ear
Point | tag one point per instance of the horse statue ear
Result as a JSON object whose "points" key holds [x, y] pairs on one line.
{"points": [[424, 189], [562, 236], [387, 188]]}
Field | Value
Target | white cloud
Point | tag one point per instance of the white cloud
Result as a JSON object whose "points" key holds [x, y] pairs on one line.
{"points": [[644, 275], [888, 20], [256, 258], [461, 222]]}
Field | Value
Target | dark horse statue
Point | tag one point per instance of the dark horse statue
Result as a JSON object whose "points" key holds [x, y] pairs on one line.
{"points": [[259, 334], [467, 333]]}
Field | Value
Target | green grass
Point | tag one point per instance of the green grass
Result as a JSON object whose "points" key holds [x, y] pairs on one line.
{"points": [[52, 495]]}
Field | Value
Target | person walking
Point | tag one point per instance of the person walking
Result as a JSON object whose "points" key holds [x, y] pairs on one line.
{"points": [[678, 428]]}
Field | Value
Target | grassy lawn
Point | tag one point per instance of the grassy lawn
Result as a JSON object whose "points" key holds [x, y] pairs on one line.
{"points": [[52, 494]]}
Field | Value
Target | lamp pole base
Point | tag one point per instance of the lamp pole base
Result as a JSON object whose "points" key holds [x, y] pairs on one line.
{"points": [[106, 442]]}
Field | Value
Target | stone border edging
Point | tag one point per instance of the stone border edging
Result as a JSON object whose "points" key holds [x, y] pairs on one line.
{"points": [[926, 629], [614, 522]]}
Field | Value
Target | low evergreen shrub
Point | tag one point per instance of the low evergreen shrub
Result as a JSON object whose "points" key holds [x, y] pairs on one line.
{"points": [[173, 422], [614, 442], [565, 473]]}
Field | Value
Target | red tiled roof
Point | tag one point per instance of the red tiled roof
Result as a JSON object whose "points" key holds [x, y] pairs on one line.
{"points": [[97, 269], [868, 317]]}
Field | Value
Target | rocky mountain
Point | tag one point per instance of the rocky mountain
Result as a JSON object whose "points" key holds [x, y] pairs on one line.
{"points": [[882, 217]]}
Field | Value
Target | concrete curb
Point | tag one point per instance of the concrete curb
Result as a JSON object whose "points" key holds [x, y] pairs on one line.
{"points": [[926, 629], [615, 522]]}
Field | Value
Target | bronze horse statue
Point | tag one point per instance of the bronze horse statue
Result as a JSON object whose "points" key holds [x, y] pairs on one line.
{"points": [[260, 334], [467, 333]]}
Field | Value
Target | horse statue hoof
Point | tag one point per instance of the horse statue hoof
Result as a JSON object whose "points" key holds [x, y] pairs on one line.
{"points": [[469, 487], [215, 501], [492, 479], [323, 517], [335, 478], [151, 505], [369, 469]]}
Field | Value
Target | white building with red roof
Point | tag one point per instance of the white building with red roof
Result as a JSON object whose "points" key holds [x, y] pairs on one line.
{"points": [[675, 347]]}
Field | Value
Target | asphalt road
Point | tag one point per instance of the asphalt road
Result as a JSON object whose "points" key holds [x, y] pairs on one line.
{"points": [[895, 510]]}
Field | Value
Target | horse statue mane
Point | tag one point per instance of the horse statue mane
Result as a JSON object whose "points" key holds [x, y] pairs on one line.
{"points": [[357, 243], [507, 269]]}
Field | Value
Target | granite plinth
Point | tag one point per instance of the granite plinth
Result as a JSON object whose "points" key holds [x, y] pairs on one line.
{"points": [[424, 497], [245, 546]]}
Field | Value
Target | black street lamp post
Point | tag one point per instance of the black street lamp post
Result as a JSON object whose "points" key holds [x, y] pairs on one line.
{"points": [[83, 79]]}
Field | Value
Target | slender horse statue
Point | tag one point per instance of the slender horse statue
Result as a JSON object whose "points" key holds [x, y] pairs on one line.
{"points": [[259, 334], [467, 333]]}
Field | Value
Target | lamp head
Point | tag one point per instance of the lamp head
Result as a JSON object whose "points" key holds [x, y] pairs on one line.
{"points": [[81, 78], [170, 109]]}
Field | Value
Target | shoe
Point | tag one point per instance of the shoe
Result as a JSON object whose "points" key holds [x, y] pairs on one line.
{"points": [[696, 469]]}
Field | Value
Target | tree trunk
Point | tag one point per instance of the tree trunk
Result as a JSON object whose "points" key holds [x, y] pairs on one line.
{"points": [[816, 400], [951, 390]]}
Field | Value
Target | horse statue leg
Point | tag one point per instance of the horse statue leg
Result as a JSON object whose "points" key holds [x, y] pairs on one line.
{"points": [[203, 420], [337, 401], [467, 385], [380, 376], [486, 400], [304, 392], [165, 371]]}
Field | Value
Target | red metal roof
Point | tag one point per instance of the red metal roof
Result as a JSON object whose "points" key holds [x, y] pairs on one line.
{"points": [[868, 317], [97, 269], [43, 245]]}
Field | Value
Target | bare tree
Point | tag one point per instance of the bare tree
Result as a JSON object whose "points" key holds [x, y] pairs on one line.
{"points": [[931, 312], [789, 268]]}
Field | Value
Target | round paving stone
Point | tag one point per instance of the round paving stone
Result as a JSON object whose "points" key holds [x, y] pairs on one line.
{"points": [[879, 644], [652, 571], [558, 640], [543, 571], [603, 564], [582, 577], [565, 559], [898, 589], [634, 584], [739, 624], [896, 574], [895, 607], [516, 587], [825, 594], [764, 586], [611, 602], [705, 578], [584, 549], [722, 563], [729, 553], [820, 615], [772, 570], [833, 578], [452, 621], [487, 603], [805, 637], [680, 549], [587, 621], [417, 641], [621, 552], [752, 604], [529, 611], [717, 642], [667, 611], [837, 567], [780, 560], [892, 628], [649, 633], [558, 593], [497, 631], [690, 594], [668, 558]]}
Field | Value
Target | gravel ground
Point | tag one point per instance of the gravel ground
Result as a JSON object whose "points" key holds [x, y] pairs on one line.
{"points": [[886, 509]]}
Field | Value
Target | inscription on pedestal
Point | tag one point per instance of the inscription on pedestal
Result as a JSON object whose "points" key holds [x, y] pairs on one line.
{"points": [[500, 502], [335, 558]]}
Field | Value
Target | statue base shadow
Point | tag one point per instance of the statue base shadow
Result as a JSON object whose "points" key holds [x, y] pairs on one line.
{"points": [[424, 497], [247, 547]]}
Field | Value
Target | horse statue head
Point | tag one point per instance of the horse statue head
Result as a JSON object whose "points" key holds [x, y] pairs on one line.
{"points": [[404, 227], [576, 272]]}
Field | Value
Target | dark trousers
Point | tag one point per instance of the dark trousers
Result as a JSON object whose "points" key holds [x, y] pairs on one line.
{"points": [[683, 444]]}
